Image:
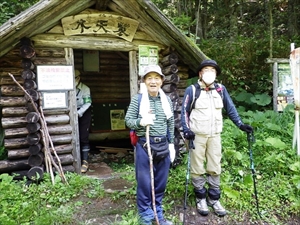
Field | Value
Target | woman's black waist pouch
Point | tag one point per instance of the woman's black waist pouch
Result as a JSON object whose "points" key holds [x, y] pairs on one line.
{"points": [[159, 147]]}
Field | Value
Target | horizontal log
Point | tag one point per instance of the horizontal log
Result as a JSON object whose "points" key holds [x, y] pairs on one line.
{"points": [[15, 132], [62, 149], [57, 119], [49, 61], [7, 166], [50, 52], [60, 129], [15, 143], [18, 153], [11, 90], [11, 62], [61, 139], [10, 122], [55, 111], [8, 80], [89, 42], [26, 152], [14, 111], [16, 71], [66, 168], [65, 159], [12, 101], [24, 131]]}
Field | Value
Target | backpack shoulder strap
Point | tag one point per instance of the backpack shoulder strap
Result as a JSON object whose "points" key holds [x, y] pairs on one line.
{"points": [[139, 100], [196, 94], [219, 89]]}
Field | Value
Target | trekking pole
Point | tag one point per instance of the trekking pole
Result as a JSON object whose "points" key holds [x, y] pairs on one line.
{"points": [[188, 147], [151, 172], [250, 138]]}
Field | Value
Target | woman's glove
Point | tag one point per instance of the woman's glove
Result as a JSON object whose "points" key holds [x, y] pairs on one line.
{"points": [[190, 135], [172, 152], [147, 120], [247, 128]]}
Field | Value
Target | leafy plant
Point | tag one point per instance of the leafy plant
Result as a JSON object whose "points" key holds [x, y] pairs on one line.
{"points": [[42, 203]]}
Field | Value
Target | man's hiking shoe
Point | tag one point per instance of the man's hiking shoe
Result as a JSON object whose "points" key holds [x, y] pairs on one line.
{"points": [[165, 222], [202, 206], [216, 205], [84, 166]]}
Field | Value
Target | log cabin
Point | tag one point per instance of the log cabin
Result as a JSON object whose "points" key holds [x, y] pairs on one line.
{"points": [[109, 41]]}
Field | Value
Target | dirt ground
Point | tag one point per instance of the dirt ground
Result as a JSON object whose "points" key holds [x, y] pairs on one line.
{"points": [[104, 211]]}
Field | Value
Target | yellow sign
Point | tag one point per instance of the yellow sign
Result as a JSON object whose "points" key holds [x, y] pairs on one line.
{"points": [[117, 121], [100, 23]]}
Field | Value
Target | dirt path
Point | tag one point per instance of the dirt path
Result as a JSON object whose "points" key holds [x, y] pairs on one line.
{"points": [[104, 211]]}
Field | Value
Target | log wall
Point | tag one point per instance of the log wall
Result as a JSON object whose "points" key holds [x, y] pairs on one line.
{"points": [[19, 120]]}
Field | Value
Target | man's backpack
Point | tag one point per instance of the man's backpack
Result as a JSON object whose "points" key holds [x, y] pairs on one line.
{"points": [[197, 89]]}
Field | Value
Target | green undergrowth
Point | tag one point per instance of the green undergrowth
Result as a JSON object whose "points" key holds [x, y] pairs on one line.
{"points": [[43, 203], [275, 164], [276, 169]]}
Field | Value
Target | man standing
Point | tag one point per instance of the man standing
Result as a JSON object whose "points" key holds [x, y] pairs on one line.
{"points": [[154, 110], [83, 99], [202, 122]]}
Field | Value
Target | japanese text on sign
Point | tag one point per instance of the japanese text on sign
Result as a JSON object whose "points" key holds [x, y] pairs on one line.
{"points": [[55, 77]]}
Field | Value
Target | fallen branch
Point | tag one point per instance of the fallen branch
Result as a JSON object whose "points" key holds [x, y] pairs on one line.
{"points": [[46, 140]]}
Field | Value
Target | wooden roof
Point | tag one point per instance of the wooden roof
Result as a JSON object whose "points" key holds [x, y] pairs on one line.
{"points": [[47, 13]]}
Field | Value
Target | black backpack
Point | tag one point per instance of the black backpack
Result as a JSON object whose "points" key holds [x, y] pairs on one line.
{"points": [[197, 89]]}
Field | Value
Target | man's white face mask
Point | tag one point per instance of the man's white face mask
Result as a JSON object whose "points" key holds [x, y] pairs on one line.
{"points": [[209, 77]]}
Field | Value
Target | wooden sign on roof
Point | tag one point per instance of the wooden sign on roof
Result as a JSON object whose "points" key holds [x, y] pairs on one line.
{"points": [[100, 23]]}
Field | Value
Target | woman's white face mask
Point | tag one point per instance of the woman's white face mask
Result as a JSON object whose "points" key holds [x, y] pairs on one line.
{"points": [[209, 77]]}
